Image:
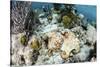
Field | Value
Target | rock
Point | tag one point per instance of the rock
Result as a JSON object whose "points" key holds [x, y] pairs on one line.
{"points": [[80, 34], [28, 54], [91, 34], [93, 59], [43, 21], [84, 53], [55, 59], [42, 15], [16, 45], [58, 59], [13, 60], [42, 59], [50, 28], [55, 16], [22, 55], [81, 16]]}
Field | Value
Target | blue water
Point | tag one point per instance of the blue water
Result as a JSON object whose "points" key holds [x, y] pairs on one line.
{"points": [[89, 11], [39, 5]]}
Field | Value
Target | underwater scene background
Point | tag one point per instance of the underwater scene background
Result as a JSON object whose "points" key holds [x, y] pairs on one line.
{"points": [[87, 10], [52, 33]]}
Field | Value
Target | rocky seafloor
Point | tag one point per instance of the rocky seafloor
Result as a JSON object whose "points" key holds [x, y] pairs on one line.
{"points": [[55, 41]]}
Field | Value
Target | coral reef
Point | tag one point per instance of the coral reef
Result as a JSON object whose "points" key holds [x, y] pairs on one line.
{"points": [[23, 39], [34, 43], [50, 36], [70, 45], [66, 21]]}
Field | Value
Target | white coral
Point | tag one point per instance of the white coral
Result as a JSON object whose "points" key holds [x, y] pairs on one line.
{"points": [[55, 40], [70, 43]]}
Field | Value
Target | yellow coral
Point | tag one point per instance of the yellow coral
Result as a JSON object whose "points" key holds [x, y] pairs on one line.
{"points": [[23, 39], [49, 17], [66, 21], [35, 44]]}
